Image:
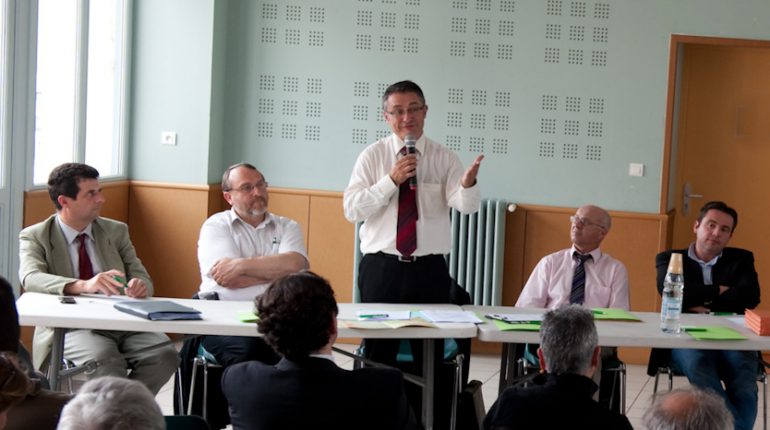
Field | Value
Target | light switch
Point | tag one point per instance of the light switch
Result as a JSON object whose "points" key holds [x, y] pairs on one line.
{"points": [[636, 169]]}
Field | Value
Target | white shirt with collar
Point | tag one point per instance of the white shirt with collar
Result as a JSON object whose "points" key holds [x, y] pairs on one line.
{"points": [[550, 284], [226, 235], [372, 196]]}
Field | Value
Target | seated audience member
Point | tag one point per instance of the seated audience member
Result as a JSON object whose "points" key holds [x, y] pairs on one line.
{"points": [[562, 397], [108, 403], [77, 251], [688, 408], [718, 278], [14, 385], [9, 318], [242, 250], [306, 389], [581, 274], [40, 408]]}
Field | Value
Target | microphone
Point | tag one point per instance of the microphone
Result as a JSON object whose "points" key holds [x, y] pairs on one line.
{"points": [[410, 142]]}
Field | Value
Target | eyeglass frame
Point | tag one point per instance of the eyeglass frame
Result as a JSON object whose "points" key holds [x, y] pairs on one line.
{"points": [[249, 188], [411, 110], [585, 222]]}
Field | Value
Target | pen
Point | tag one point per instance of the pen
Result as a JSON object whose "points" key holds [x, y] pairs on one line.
{"points": [[122, 281], [373, 316]]}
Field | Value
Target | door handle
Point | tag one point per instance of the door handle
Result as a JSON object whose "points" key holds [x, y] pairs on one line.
{"points": [[687, 194]]}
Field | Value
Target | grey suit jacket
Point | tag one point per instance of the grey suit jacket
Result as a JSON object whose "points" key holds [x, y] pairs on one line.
{"points": [[45, 265]]}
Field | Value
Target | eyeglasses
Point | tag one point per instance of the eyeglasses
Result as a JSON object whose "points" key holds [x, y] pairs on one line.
{"points": [[585, 222], [401, 112], [247, 188]]}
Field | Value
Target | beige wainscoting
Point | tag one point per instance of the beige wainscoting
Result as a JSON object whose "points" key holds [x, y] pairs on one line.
{"points": [[165, 219]]}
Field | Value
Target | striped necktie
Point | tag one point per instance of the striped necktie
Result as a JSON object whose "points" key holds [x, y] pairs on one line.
{"points": [[578, 292]]}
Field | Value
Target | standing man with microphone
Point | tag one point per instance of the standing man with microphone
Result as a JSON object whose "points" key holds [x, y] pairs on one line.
{"points": [[402, 186]]}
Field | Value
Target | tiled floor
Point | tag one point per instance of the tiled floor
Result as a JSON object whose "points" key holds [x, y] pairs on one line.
{"points": [[486, 368]]}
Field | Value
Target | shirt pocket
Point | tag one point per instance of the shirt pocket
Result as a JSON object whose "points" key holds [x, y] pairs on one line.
{"points": [[432, 201]]}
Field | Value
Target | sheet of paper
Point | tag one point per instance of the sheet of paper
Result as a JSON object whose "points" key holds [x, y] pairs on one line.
{"points": [[613, 314], [384, 324], [382, 315], [714, 333], [247, 317], [516, 326], [451, 316], [515, 317]]}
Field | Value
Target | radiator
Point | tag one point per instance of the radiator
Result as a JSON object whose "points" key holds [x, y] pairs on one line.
{"points": [[478, 248], [476, 257]]}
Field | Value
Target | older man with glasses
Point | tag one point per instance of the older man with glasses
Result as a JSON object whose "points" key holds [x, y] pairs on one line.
{"points": [[584, 275], [581, 274]]}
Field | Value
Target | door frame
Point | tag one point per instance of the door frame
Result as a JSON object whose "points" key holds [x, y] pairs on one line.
{"points": [[670, 145]]}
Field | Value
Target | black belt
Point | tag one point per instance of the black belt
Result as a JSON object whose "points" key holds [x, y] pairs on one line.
{"points": [[401, 258]]}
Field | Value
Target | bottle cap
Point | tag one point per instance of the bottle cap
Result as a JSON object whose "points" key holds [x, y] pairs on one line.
{"points": [[675, 264]]}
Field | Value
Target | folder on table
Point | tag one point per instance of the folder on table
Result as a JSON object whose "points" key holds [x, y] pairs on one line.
{"points": [[163, 310]]}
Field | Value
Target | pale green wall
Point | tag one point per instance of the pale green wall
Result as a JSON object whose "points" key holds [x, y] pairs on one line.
{"points": [[215, 130], [172, 90]]}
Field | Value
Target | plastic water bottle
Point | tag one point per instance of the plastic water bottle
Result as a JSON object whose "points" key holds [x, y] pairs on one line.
{"points": [[673, 288]]}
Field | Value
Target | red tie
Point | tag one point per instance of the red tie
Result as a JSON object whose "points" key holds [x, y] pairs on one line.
{"points": [[406, 230], [84, 262]]}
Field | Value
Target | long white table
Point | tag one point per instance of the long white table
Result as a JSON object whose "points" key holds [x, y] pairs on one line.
{"points": [[220, 318], [644, 333]]}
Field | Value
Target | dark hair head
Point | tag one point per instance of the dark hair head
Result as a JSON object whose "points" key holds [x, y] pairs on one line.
{"points": [[226, 186], [721, 207], [14, 385], [297, 314], [64, 180], [402, 87]]}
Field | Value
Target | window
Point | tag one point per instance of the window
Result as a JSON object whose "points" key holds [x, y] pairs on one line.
{"points": [[80, 85]]}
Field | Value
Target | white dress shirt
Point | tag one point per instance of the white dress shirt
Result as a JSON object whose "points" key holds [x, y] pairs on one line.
{"points": [[226, 235], [372, 196], [550, 284]]}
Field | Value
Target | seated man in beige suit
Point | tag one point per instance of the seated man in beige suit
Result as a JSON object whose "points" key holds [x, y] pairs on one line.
{"points": [[76, 251]]}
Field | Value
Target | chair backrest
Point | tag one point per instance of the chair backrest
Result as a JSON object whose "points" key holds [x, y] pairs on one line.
{"points": [[186, 422]]}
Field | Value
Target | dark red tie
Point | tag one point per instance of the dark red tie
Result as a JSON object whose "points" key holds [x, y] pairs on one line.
{"points": [[406, 230], [84, 262]]}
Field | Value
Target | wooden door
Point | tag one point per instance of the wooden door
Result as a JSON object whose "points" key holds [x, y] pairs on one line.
{"points": [[724, 144]]}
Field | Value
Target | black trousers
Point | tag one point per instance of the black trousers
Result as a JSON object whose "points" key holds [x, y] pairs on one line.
{"points": [[384, 279], [229, 350]]}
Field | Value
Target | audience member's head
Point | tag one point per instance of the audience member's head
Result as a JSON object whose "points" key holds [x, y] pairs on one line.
{"points": [[9, 318], [688, 408], [298, 315], [64, 180], [14, 385], [112, 403], [568, 341]]}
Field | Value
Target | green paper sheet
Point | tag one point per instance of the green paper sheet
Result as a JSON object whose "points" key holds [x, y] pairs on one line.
{"points": [[613, 314], [247, 317], [714, 333], [505, 326]]}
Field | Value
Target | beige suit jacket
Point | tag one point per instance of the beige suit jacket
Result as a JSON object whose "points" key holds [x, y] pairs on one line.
{"points": [[45, 265]]}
